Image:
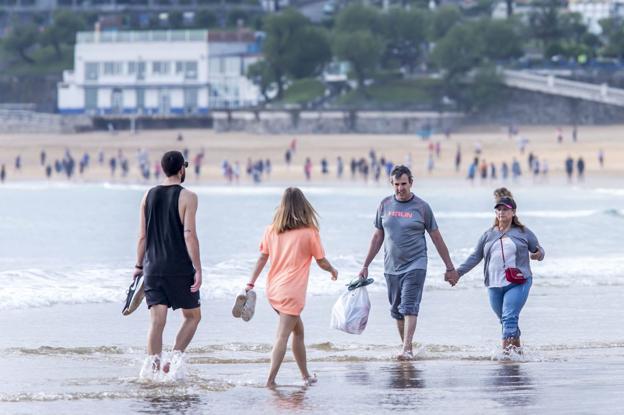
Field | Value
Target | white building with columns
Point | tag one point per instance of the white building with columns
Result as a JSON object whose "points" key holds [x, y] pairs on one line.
{"points": [[159, 73]]}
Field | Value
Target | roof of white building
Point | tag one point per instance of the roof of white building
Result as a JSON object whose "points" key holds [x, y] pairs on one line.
{"points": [[131, 36]]}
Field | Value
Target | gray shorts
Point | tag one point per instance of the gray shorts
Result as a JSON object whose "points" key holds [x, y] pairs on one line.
{"points": [[405, 292]]}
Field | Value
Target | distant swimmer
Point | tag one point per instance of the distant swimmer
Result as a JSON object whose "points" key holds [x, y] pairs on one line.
{"points": [[401, 221], [168, 257], [507, 248], [290, 242]]}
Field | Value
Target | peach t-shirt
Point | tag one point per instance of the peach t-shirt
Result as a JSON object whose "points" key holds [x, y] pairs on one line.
{"points": [[290, 253]]}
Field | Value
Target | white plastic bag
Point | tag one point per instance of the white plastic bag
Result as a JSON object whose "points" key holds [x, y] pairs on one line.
{"points": [[350, 313]]}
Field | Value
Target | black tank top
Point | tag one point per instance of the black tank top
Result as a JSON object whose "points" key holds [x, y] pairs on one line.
{"points": [[165, 250]]}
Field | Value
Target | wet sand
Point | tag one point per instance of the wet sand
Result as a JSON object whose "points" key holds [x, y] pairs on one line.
{"points": [[93, 359]]}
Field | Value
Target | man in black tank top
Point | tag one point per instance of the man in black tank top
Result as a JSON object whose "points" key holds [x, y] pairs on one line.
{"points": [[168, 257]]}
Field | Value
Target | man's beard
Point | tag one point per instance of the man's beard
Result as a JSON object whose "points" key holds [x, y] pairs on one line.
{"points": [[183, 177]]}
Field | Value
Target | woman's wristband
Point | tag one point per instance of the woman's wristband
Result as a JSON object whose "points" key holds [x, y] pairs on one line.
{"points": [[450, 269], [138, 266], [250, 284]]}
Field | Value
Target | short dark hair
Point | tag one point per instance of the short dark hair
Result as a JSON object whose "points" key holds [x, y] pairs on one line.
{"points": [[172, 162], [399, 171]]}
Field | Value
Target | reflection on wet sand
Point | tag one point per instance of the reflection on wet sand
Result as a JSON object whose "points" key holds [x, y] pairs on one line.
{"points": [[177, 404], [290, 398], [403, 379], [511, 385], [358, 375], [405, 375]]}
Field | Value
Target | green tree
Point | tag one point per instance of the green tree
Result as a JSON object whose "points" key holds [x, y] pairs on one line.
{"points": [[485, 89], [20, 40], [444, 18], [501, 39], [459, 51], [405, 33], [63, 30], [357, 17], [312, 54], [361, 49], [262, 75], [293, 47], [613, 31], [545, 23]]}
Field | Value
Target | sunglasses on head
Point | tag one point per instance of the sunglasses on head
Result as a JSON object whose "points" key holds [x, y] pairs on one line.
{"points": [[185, 164]]}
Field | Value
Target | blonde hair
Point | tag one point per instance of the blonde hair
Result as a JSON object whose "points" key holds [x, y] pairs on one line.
{"points": [[294, 212], [498, 195]]}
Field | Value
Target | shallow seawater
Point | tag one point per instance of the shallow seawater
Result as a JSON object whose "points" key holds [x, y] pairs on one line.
{"points": [[66, 258]]}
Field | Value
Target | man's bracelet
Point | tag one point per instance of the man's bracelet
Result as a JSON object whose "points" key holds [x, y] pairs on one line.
{"points": [[138, 266], [450, 270]]}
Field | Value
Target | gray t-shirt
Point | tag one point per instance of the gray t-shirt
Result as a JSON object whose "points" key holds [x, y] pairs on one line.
{"points": [[404, 225]]}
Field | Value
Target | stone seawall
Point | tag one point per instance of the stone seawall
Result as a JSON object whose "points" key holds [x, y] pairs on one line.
{"points": [[534, 108], [20, 121], [333, 122]]}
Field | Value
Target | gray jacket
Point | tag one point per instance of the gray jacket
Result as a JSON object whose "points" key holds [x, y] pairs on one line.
{"points": [[525, 241]]}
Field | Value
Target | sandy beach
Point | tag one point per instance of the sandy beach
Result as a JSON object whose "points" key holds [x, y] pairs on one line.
{"points": [[68, 250], [495, 142]]}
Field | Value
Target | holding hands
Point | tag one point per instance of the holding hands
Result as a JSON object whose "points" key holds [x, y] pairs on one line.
{"points": [[537, 255], [452, 277]]}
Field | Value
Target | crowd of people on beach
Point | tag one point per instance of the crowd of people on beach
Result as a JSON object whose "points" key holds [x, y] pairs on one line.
{"points": [[371, 168]]}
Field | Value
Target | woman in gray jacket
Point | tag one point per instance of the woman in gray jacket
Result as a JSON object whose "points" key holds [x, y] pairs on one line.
{"points": [[507, 244]]}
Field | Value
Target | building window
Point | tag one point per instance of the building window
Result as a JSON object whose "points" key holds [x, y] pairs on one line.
{"points": [[140, 99], [91, 71], [186, 68], [112, 68], [132, 67], [91, 98], [160, 68], [191, 70]]}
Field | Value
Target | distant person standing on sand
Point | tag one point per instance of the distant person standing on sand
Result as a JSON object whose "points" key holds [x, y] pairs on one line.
{"points": [[569, 168], [516, 170], [601, 157], [307, 168], [472, 170], [168, 257], [401, 221], [339, 167], [2, 174], [580, 168], [504, 170], [507, 244], [288, 157], [290, 242]]}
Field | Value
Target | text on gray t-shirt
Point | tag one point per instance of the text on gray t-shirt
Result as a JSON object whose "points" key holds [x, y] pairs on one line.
{"points": [[404, 225]]}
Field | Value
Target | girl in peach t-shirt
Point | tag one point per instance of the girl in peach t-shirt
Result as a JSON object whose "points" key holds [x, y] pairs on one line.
{"points": [[290, 242]]}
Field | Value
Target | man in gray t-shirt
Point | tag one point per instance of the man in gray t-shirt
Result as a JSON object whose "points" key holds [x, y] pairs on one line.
{"points": [[401, 221]]}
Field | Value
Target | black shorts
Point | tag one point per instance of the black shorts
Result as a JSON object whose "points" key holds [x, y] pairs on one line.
{"points": [[172, 291]]}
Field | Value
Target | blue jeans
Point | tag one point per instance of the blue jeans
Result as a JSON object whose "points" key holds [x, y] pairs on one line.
{"points": [[507, 302]]}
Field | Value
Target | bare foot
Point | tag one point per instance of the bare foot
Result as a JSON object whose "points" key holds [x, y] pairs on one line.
{"points": [[270, 384], [406, 356], [310, 380], [166, 367]]}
